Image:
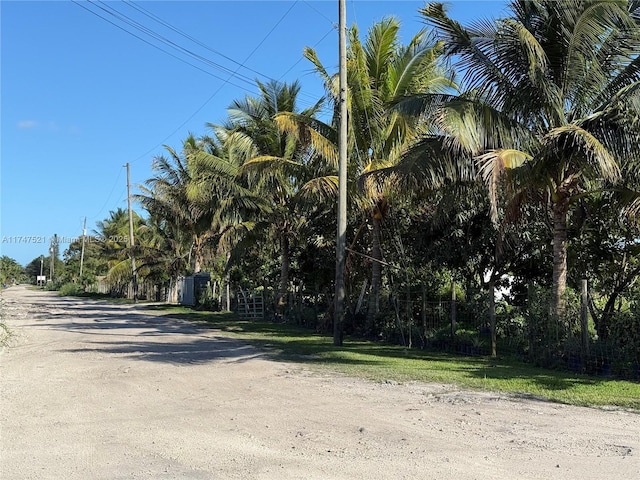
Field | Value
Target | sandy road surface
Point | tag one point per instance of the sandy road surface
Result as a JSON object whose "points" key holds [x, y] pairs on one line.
{"points": [[91, 390]]}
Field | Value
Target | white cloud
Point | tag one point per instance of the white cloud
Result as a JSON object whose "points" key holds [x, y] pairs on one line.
{"points": [[27, 124]]}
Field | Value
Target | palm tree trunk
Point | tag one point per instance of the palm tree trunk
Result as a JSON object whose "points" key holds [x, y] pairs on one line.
{"points": [[559, 303], [197, 254], [376, 274], [284, 272]]}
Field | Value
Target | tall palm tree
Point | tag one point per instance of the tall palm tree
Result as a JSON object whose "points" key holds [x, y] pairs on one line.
{"points": [[380, 72], [166, 195], [280, 166], [551, 102], [114, 235], [217, 185]]}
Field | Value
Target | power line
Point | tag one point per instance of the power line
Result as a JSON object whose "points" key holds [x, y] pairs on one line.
{"points": [[335, 25], [164, 40], [156, 46], [220, 87], [189, 37], [109, 196], [302, 58], [152, 33], [145, 30]]}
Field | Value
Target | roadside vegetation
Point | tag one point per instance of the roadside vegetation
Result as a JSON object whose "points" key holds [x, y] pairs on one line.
{"points": [[5, 332], [384, 362]]}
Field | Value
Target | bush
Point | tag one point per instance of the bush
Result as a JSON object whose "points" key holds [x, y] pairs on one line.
{"points": [[71, 289], [207, 300]]}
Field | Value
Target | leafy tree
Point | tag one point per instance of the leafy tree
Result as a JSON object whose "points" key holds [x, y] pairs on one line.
{"points": [[93, 264], [607, 253], [219, 188], [11, 271]]}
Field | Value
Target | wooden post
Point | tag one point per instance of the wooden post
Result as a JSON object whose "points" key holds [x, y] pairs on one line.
{"points": [[584, 320], [453, 311], [363, 290], [228, 282], [492, 316], [532, 330], [423, 312]]}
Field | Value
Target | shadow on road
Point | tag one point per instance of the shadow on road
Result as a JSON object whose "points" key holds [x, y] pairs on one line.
{"points": [[127, 331]]}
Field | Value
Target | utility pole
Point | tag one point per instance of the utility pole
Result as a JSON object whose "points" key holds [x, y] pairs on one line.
{"points": [[131, 239], [84, 234], [41, 266], [341, 238], [53, 254]]}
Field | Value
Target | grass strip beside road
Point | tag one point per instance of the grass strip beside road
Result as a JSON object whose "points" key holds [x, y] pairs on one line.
{"points": [[383, 362]]}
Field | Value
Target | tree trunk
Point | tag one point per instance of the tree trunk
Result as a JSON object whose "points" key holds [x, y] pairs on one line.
{"points": [[284, 273], [602, 324], [197, 255], [376, 273], [558, 306]]}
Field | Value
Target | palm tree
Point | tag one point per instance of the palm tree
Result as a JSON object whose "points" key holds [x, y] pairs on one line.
{"points": [[280, 166], [551, 103], [114, 235], [166, 196], [380, 72]]}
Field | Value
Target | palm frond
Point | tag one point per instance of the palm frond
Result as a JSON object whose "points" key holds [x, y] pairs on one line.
{"points": [[319, 136], [492, 166], [587, 151]]}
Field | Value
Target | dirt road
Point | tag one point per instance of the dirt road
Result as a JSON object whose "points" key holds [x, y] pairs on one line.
{"points": [[91, 390]]}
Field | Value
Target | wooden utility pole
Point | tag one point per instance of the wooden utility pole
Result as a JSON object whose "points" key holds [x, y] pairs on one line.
{"points": [[84, 234], [41, 266], [131, 239], [341, 238], [53, 251]]}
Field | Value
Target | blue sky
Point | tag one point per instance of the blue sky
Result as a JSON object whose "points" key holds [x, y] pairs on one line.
{"points": [[80, 97]]}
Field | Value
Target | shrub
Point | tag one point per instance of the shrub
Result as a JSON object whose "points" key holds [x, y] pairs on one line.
{"points": [[71, 289]]}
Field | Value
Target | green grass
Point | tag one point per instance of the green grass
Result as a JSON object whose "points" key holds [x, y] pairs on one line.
{"points": [[382, 362], [103, 296]]}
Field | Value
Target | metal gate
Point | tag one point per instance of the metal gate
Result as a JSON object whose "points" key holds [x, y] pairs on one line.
{"points": [[250, 305]]}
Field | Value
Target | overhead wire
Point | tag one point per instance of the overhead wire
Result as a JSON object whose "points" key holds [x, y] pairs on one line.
{"points": [[108, 196], [220, 87], [226, 81], [122, 17], [164, 23], [114, 13]]}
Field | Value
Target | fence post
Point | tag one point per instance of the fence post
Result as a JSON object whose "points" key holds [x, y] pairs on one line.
{"points": [[584, 321], [492, 316], [453, 310], [423, 312], [532, 329]]}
